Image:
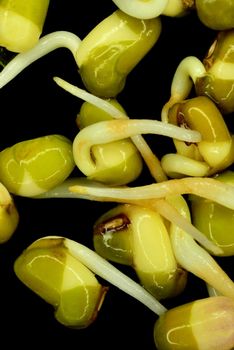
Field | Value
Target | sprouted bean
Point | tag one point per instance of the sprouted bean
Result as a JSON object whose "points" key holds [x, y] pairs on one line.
{"points": [[149, 157], [213, 77], [105, 76], [126, 235], [101, 267], [216, 150]]}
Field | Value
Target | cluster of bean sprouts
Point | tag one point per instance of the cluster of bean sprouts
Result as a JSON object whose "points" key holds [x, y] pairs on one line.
{"points": [[193, 251]]}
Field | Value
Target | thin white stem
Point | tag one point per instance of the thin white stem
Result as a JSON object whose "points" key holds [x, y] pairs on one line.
{"points": [[149, 157], [46, 44], [107, 271], [63, 190], [209, 188], [189, 69], [151, 160], [92, 99], [197, 260], [170, 213], [187, 72]]}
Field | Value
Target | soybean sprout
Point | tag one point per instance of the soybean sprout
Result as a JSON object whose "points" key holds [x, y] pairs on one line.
{"points": [[149, 157], [189, 69], [104, 269], [45, 45]]}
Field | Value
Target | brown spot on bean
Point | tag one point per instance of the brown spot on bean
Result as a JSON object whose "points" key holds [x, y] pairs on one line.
{"points": [[114, 224]]}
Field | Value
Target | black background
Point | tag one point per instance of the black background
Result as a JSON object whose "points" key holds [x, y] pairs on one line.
{"points": [[33, 105]]}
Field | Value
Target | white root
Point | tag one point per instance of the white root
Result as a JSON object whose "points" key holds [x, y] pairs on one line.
{"points": [[209, 188], [197, 260], [45, 45], [186, 74]]}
